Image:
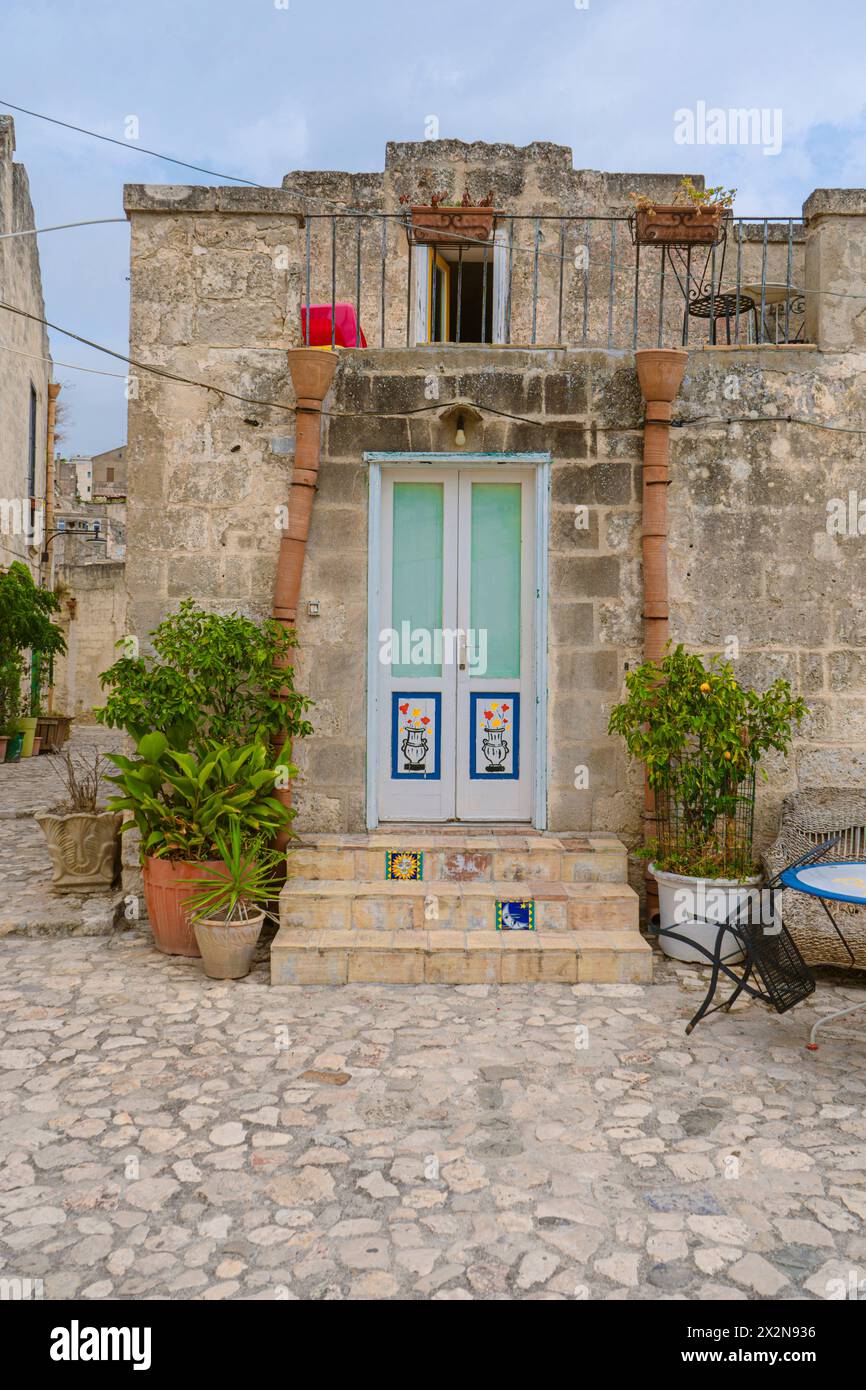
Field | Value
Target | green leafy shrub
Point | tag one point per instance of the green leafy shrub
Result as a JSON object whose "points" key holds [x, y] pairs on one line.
{"points": [[213, 677], [181, 802], [25, 625], [11, 676], [701, 737], [25, 615]]}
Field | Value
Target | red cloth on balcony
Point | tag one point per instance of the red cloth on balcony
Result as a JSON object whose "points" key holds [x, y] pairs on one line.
{"points": [[345, 325]]}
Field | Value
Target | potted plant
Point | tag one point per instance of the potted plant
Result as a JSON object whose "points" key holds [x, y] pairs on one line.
{"points": [[694, 218], [180, 801], [701, 737], [439, 222], [228, 905], [83, 837]]}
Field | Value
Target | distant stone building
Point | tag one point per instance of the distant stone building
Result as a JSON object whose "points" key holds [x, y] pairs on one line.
{"points": [[89, 550]]}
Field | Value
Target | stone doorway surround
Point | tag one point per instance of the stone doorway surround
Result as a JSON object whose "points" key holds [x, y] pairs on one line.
{"points": [[459, 459]]}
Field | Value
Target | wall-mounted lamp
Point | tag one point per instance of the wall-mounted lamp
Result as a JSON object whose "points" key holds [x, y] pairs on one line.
{"points": [[460, 436]]}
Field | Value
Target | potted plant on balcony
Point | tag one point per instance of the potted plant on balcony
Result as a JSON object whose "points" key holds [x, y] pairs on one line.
{"points": [[180, 802], [694, 218], [438, 222], [228, 904], [83, 837], [701, 737]]}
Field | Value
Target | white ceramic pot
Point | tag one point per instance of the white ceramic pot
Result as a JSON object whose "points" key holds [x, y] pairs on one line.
{"points": [[689, 905]]}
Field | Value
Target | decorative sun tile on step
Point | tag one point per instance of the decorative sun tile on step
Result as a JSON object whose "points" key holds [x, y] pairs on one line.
{"points": [[515, 914], [404, 864]]}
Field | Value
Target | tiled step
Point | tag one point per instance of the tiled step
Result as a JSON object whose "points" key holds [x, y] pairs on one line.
{"points": [[464, 856], [344, 905], [326, 957]]}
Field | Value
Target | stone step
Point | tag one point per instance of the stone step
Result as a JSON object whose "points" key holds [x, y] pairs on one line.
{"points": [[344, 905], [326, 957], [464, 856]]}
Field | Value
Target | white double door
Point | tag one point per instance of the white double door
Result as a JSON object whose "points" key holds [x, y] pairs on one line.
{"points": [[455, 650]]}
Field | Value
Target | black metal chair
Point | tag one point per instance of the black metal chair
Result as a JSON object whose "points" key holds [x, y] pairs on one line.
{"points": [[770, 959]]}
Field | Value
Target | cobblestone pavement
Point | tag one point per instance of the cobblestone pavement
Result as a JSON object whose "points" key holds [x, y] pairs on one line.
{"points": [[27, 904], [165, 1135]]}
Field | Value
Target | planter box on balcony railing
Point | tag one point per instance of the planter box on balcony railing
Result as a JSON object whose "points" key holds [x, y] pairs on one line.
{"points": [[441, 225], [672, 224]]}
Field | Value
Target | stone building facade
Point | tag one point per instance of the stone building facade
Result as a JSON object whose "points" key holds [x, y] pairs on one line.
{"points": [[219, 280], [25, 369], [93, 620]]}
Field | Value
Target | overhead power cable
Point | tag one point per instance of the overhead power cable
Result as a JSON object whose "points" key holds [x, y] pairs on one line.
{"points": [[61, 227], [128, 145]]}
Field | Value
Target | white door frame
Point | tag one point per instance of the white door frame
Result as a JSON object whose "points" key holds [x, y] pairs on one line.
{"points": [[375, 462]]}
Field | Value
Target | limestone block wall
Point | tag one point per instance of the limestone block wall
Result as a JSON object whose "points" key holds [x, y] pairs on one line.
{"points": [[766, 557], [93, 619]]}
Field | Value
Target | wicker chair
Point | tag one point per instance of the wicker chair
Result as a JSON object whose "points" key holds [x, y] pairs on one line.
{"points": [[808, 817]]}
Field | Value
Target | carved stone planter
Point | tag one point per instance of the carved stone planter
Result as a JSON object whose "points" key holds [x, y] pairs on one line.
{"points": [[673, 224], [435, 226], [227, 950], [84, 849]]}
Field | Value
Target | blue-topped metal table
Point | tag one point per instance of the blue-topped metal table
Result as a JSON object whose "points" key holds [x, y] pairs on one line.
{"points": [[841, 881]]}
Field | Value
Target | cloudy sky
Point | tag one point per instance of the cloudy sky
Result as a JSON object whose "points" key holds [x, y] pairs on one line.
{"points": [[257, 87]]}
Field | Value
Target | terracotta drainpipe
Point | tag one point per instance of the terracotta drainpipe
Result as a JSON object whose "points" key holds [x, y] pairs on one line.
{"points": [[660, 373], [312, 373]]}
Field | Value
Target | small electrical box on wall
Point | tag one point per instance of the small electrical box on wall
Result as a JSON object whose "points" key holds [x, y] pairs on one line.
{"points": [[313, 608]]}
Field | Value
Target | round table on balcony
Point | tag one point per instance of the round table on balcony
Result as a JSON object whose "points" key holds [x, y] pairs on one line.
{"points": [[781, 300], [724, 304]]}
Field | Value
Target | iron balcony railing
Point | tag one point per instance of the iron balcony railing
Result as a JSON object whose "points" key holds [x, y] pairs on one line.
{"points": [[547, 280]]}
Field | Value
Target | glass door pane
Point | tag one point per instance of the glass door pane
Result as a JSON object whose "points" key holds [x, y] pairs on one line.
{"points": [[495, 577], [416, 602]]}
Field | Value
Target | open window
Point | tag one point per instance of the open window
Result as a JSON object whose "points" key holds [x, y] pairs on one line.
{"points": [[461, 293]]}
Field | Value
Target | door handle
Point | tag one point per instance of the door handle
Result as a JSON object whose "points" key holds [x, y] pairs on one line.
{"points": [[461, 651]]}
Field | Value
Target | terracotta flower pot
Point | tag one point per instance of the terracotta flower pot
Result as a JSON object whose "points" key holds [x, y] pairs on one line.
{"points": [[84, 849], [4, 743], [227, 950], [432, 226], [168, 886], [37, 746], [675, 224]]}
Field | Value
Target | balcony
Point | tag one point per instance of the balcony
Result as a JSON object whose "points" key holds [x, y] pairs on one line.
{"points": [[547, 281]]}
